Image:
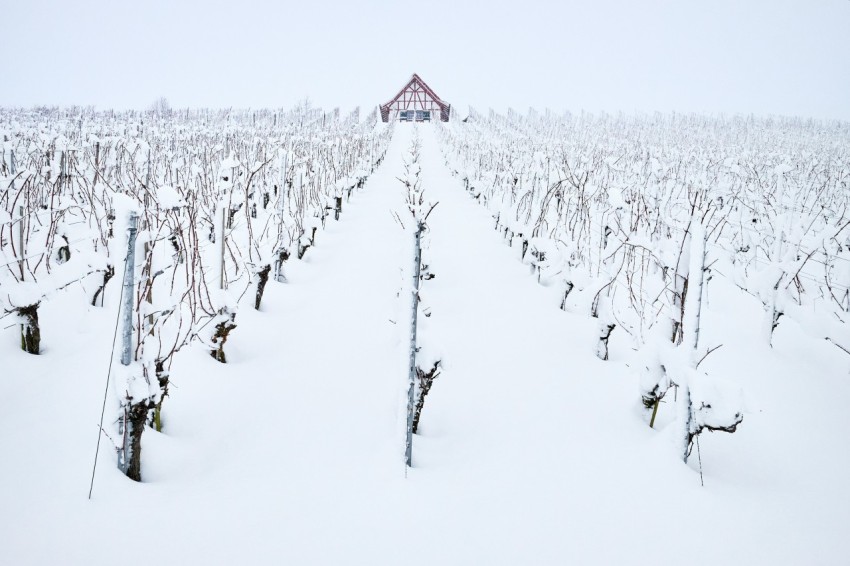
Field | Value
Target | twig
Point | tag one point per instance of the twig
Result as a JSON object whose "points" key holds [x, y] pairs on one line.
{"points": [[699, 458], [833, 342], [430, 210], [394, 214], [710, 350]]}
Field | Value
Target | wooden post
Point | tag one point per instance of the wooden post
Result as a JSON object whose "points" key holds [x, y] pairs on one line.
{"points": [[21, 244], [411, 390], [96, 164], [223, 281], [62, 175]]}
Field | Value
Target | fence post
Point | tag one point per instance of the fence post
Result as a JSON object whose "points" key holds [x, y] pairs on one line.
{"points": [[14, 171], [223, 281], [62, 173], [127, 330], [282, 194], [96, 164], [281, 207], [129, 283], [693, 310], [411, 401], [22, 242]]}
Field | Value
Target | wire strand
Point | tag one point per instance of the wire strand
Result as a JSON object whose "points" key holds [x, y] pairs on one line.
{"points": [[106, 389]]}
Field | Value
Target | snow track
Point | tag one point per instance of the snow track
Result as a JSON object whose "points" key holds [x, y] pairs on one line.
{"points": [[532, 451]]}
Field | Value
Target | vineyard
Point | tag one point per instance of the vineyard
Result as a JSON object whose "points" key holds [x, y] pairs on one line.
{"points": [[314, 338], [214, 206], [624, 216]]}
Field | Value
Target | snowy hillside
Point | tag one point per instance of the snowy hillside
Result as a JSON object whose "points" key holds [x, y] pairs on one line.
{"points": [[556, 346]]}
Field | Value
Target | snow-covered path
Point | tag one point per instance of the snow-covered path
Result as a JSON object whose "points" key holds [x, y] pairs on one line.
{"points": [[531, 450]]}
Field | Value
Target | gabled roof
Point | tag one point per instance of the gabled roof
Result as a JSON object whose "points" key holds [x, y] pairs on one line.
{"points": [[416, 84]]}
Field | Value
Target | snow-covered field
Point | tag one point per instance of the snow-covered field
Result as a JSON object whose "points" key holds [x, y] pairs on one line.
{"points": [[531, 449]]}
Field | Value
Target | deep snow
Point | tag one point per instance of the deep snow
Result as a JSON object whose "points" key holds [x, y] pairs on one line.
{"points": [[532, 450]]}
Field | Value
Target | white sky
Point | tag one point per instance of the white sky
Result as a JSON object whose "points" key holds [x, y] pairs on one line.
{"points": [[761, 56]]}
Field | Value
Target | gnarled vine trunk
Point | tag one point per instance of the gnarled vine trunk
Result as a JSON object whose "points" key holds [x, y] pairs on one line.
{"points": [[30, 330], [101, 291], [222, 332], [262, 279], [282, 257], [135, 417], [162, 376], [426, 380]]}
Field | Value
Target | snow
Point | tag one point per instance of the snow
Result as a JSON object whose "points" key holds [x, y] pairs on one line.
{"points": [[532, 450]]}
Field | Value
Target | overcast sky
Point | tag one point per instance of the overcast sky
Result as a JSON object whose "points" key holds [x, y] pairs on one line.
{"points": [[762, 56]]}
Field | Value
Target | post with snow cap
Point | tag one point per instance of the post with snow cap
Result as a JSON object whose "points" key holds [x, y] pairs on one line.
{"points": [[411, 391], [281, 253], [222, 284], [23, 253], [127, 334], [693, 308], [127, 298], [21, 239], [281, 197], [773, 307]]}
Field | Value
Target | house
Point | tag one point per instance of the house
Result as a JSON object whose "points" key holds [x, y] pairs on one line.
{"points": [[416, 102]]}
